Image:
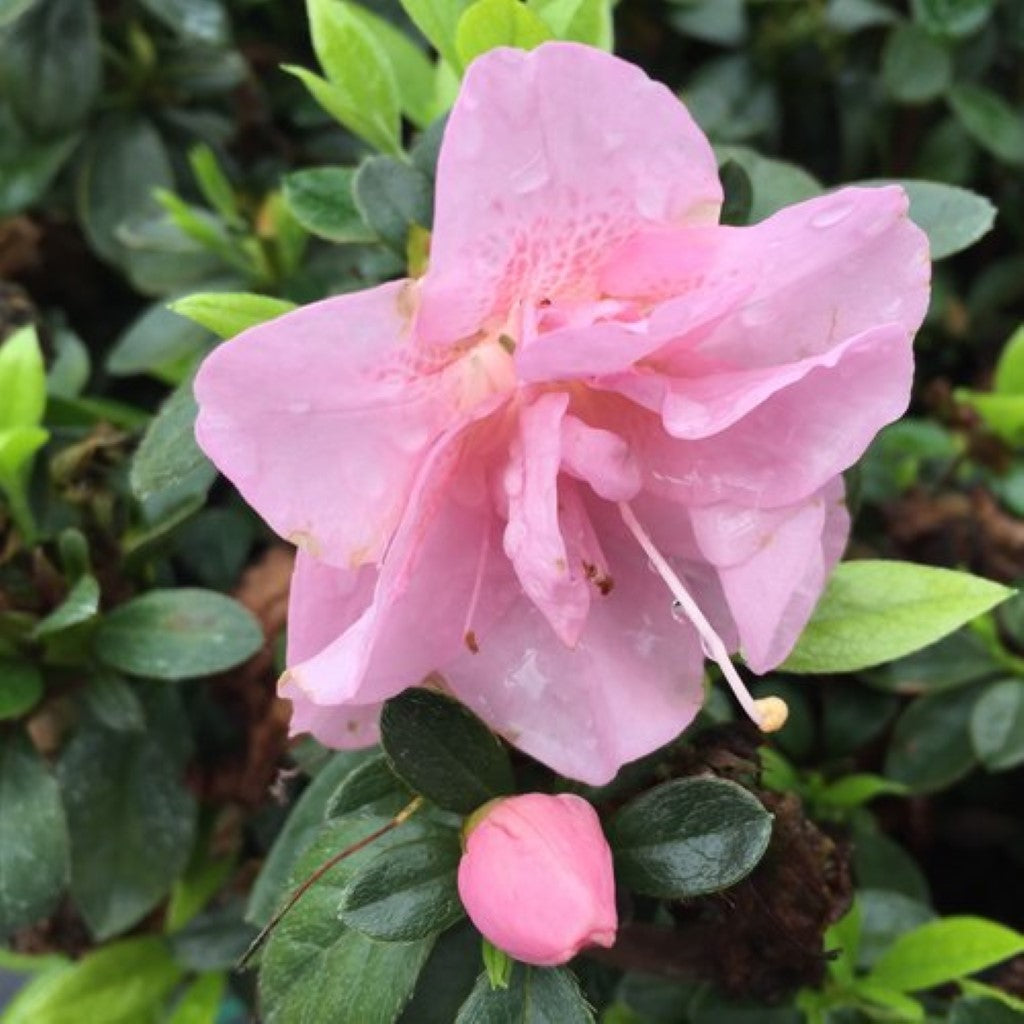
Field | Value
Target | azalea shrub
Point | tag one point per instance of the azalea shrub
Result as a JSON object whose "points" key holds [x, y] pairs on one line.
{"points": [[510, 511]]}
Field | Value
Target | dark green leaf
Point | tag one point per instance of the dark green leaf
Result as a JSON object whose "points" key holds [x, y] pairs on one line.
{"points": [[447, 978], [977, 1010], [721, 22], [205, 21], [51, 66], [990, 121], [952, 17], [33, 836], [114, 703], [997, 725], [931, 746], [81, 604], [21, 686], [885, 916], [156, 339], [775, 183], [875, 611], [299, 832], [881, 863], [214, 940], [370, 786], [316, 970], [132, 819], [739, 194], [168, 460], [407, 893], [322, 201], [392, 196], [178, 634], [957, 660], [916, 67], [28, 168], [125, 160], [442, 751], [689, 837], [534, 996]]}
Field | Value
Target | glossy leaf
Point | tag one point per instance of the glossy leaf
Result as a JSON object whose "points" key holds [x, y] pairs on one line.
{"points": [[371, 786], [322, 201], [442, 751], [997, 725], [535, 995], [689, 837]]}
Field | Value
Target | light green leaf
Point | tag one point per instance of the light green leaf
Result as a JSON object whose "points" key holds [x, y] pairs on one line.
{"points": [[438, 21], [875, 611], [33, 836], [214, 184], [491, 23], [855, 790], [230, 313], [201, 1002], [1003, 414], [1009, 375], [22, 380], [363, 91], [123, 983], [943, 951], [990, 121], [580, 21]]}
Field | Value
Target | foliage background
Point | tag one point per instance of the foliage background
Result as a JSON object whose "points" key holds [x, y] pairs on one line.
{"points": [[151, 809]]}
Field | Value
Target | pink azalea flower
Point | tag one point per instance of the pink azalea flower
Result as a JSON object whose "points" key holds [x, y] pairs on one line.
{"points": [[482, 467], [536, 877]]}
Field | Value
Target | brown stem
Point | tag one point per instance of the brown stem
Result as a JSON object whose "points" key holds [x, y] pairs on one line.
{"points": [[402, 816]]}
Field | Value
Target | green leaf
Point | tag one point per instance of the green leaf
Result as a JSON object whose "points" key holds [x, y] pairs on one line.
{"points": [[316, 970], [204, 21], [407, 893], [201, 1002], [372, 786], [11, 9], [22, 380], [412, 69], [178, 634], [942, 951], [123, 983], [168, 459], [21, 686], [1009, 375], [51, 67], [1003, 414], [132, 819], [114, 703], [986, 1005], [953, 218], [442, 751], [125, 161], [855, 790], [214, 184], [534, 996], [720, 22], [323, 203], [856, 15], [299, 832], [230, 313], [916, 68], [28, 168], [391, 197], [990, 121], [689, 837], [931, 747], [876, 611], [997, 725], [447, 979], [881, 863], [487, 24], [953, 18], [886, 915], [33, 836], [776, 183], [81, 605], [580, 21], [438, 21], [362, 84]]}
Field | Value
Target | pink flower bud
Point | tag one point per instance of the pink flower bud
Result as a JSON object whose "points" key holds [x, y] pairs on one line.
{"points": [[536, 878]]}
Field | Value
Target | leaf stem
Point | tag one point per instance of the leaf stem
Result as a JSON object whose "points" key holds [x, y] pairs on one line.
{"points": [[400, 818]]}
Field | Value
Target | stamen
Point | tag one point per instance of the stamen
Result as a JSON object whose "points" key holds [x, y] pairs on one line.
{"points": [[768, 713], [467, 630]]}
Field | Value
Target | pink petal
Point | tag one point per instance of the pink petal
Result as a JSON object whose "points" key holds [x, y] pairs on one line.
{"points": [[772, 593], [321, 417], [322, 603], [549, 158], [794, 441], [633, 682]]}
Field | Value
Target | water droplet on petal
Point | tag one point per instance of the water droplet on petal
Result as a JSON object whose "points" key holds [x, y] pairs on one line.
{"points": [[831, 215]]}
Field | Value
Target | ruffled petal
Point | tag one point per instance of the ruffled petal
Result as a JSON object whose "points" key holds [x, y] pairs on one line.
{"points": [[322, 603], [321, 418], [633, 682], [550, 158]]}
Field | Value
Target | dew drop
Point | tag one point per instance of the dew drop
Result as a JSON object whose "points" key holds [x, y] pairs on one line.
{"points": [[832, 215]]}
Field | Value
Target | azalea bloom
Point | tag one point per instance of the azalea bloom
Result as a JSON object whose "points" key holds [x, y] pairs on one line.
{"points": [[536, 877], [601, 437]]}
